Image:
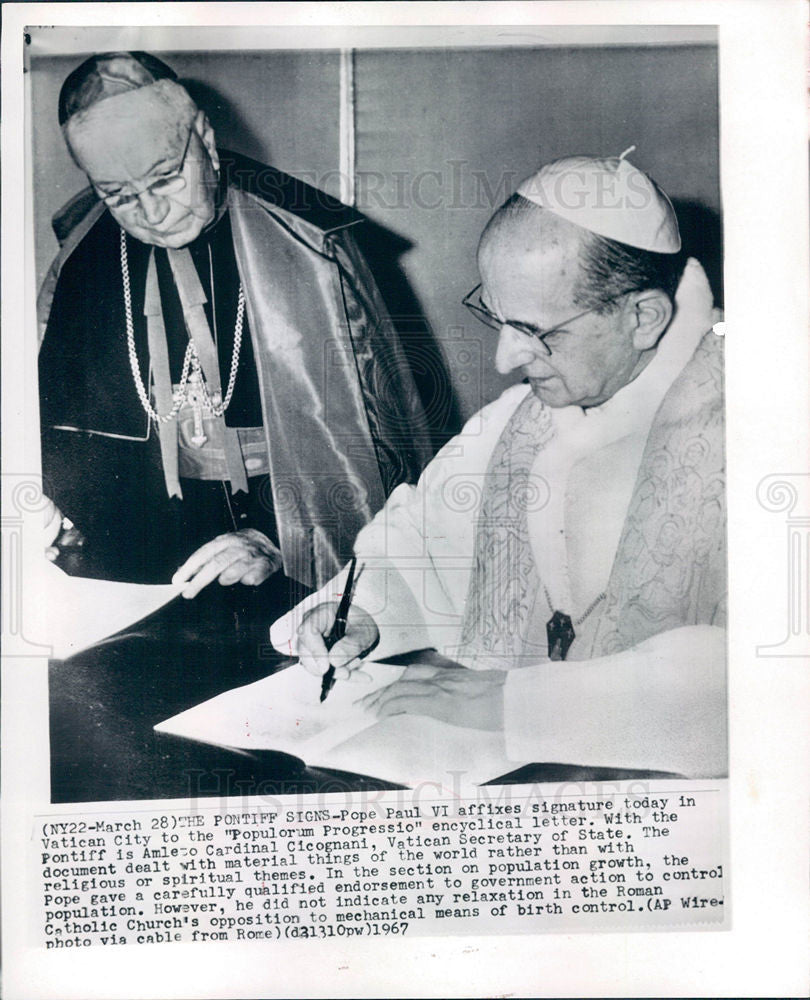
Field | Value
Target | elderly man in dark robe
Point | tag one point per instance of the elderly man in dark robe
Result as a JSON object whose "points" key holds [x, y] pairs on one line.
{"points": [[222, 396]]}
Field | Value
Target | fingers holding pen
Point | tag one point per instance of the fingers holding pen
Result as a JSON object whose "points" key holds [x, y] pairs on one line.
{"points": [[362, 635]]}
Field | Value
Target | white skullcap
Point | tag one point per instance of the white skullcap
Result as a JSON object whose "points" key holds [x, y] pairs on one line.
{"points": [[609, 197]]}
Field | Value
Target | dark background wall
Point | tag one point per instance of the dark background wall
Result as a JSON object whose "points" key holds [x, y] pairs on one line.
{"points": [[442, 137]]}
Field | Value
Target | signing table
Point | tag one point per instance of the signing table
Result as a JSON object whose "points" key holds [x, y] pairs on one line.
{"points": [[105, 701]]}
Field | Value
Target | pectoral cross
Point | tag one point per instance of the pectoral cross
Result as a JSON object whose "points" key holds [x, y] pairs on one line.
{"points": [[560, 634], [196, 400]]}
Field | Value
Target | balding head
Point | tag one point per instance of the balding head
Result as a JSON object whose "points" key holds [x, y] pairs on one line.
{"points": [[606, 268], [521, 238], [526, 226], [146, 148], [162, 109], [598, 307]]}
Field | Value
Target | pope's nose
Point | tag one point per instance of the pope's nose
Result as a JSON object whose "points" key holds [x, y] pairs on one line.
{"points": [[515, 350], [153, 207]]}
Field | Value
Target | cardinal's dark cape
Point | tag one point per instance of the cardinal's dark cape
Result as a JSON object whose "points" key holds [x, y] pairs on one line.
{"points": [[340, 409]]}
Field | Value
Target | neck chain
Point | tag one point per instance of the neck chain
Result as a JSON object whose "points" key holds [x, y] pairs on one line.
{"points": [[560, 628], [191, 361]]}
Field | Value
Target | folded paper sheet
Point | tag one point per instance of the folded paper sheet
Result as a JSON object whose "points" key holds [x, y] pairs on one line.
{"points": [[283, 712]]}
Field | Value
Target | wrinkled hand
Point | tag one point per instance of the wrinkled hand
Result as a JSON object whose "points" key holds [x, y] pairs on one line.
{"points": [[245, 556], [51, 526], [454, 694], [54, 526], [362, 635]]}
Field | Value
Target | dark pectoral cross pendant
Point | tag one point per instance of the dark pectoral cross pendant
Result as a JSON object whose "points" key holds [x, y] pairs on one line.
{"points": [[560, 633], [195, 398]]}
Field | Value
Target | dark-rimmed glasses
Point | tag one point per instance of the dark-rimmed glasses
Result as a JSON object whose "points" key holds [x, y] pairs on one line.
{"points": [[168, 184], [488, 318]]}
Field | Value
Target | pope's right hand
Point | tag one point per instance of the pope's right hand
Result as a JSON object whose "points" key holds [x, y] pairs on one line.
{"points": [[362, 635]]}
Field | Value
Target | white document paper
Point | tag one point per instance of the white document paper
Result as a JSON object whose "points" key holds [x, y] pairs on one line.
{"points": [[416, 750], [70, 613], [283, 712]]}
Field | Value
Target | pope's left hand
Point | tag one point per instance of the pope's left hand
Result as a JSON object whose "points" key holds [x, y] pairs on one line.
{"points": [[245, 556], [462, 697]]}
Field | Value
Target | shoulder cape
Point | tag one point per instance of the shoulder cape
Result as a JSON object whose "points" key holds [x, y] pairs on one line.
{"points": [[341, 411]]}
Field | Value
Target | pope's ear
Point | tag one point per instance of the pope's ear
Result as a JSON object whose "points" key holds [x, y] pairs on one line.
{"points": [[205, 131], [651, 313]]}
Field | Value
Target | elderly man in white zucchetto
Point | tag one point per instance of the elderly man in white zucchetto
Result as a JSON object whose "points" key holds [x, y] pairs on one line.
{"points": [[561, 562]]}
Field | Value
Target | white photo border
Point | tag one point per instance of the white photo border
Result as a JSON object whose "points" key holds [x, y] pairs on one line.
{"points": [[764, 188]]}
